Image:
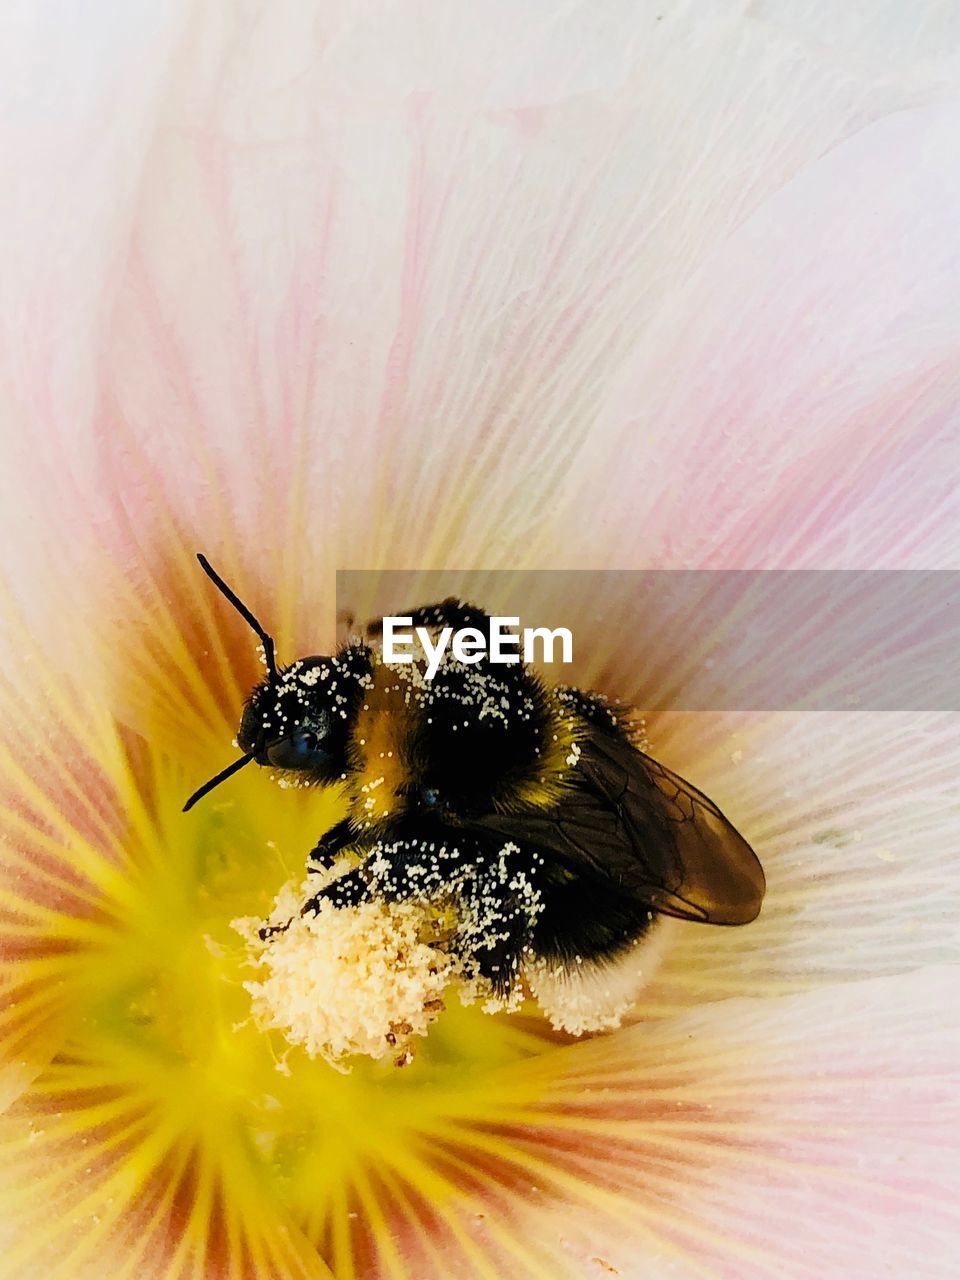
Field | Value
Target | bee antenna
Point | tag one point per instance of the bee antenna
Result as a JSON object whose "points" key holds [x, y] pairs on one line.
{"points": [[244, 612], [222, 776]]}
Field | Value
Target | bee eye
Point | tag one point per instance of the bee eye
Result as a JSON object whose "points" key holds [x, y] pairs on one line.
{"points": [[298, 751]]}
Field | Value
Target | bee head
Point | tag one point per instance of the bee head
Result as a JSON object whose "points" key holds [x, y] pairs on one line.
{"points": [[300, 721], [297, 718]]}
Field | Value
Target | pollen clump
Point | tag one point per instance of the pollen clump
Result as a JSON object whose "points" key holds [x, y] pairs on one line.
{"points": [[364, 980], [369, 978]]}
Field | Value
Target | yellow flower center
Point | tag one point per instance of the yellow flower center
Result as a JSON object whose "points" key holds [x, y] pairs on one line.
{"points": [[164, 1039]]}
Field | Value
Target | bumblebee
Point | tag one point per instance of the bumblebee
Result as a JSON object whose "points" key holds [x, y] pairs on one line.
{"points": [[531, 806]]}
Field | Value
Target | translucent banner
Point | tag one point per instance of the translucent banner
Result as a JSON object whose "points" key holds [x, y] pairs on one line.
{"points": [[704, 641]]}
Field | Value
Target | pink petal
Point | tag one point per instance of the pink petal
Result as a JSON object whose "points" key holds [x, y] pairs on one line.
{"points": [[797, 402], [807, 1136], [308, 297]]}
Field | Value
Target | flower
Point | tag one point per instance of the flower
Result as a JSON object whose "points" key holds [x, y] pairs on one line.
{"points": [[426, 286]]}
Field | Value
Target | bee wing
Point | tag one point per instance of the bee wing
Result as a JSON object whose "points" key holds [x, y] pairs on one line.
{"points": [[631, 819]]}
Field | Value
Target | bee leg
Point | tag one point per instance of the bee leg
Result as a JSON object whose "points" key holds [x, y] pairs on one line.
{"points": [[421, 864], [333, 842], [346, 891], [431, 865], [496, 891], [409, 866], [269, 931], [497, 933], [498, 956]]}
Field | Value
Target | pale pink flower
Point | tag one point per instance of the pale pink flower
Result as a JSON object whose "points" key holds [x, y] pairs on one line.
{"points": [[506, 286]]}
